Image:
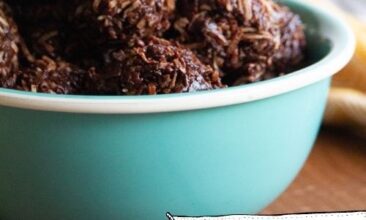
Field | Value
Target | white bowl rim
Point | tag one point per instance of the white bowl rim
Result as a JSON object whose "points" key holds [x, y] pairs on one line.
{"points": [[343, 47]]}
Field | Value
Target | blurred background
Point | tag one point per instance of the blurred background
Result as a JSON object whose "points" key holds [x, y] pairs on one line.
{"points": [[356, 7], [334, 178], [347, 100]]}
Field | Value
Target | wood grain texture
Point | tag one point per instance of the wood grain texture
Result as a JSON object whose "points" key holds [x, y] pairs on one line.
{"points": [[333, 179]]}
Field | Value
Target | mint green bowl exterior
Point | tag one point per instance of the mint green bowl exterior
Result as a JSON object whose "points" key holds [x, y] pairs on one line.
{"points": [[230, 159]]}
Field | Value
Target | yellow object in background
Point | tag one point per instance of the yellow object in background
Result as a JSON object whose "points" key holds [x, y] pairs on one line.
{"points": [[347, 98], [354, 75]]}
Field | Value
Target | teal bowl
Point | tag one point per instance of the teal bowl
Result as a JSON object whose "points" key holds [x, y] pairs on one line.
{"points": [[219, 152]]}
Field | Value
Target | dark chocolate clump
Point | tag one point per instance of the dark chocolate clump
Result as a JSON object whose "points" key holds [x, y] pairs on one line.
{"points": [[246, 40], [9, 47], [126, 19], [158, 66], [46, 75]]}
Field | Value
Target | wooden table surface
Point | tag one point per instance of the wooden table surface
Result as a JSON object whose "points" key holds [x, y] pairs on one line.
{"points": [[333, 179]]}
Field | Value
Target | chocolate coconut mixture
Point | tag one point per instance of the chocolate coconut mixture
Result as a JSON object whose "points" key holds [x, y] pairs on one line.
{"points": [[137, 47]]}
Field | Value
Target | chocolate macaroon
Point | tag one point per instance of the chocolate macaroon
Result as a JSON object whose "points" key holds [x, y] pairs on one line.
{"points": [[9, 47], [158, 66], [246, 40], [46, 75], [126, 19]]}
